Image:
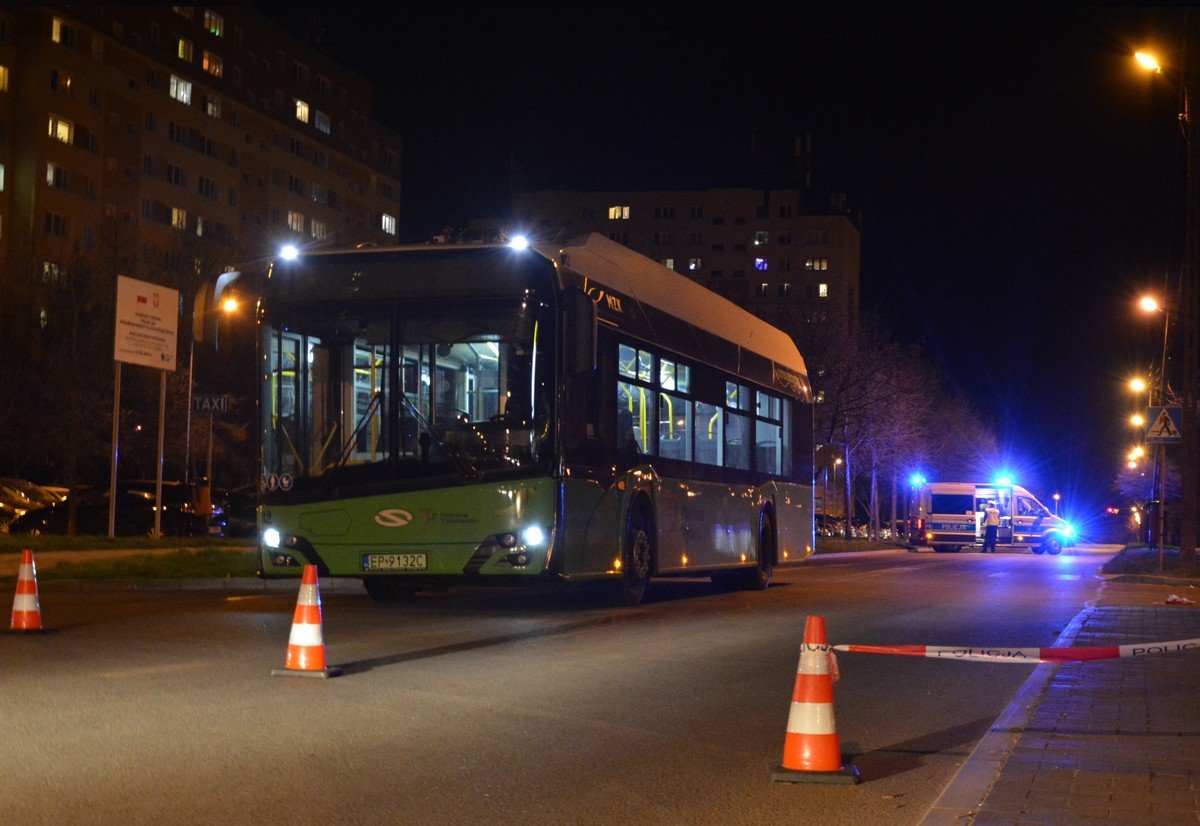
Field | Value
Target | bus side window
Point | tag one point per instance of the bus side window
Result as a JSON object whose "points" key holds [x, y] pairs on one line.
{"points": [[709, 433], [737, 441]]}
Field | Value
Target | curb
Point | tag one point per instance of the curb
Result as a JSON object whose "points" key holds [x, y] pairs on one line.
{"points": [[1149, 579], [976, 776]]}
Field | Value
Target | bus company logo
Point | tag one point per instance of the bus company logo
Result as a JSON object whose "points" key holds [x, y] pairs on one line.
{"points": [[600, 297], [393, 518]]}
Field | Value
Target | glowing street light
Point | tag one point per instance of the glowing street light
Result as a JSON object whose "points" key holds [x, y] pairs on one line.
{"points": [[1137, 420], [1148, 61], [1186, 76]]}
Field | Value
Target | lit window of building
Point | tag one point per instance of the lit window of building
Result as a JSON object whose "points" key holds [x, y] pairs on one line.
{"points": [[618, 213], [178, 218], [321, 121], [694, 264], [181, 90], [61, 33], [761, 238], [760, 264], [295, 221], [214, 23], [301, 111], [213, 64], [823, 291], [212, 107], [61, 129], [183, 48], [3, 78], [669, 263], [56, 176], [388, 224], [820, 264], [318, 229]]}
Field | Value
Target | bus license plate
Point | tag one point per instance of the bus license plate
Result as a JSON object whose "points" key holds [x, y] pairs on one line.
{"points": [[394, 562]]}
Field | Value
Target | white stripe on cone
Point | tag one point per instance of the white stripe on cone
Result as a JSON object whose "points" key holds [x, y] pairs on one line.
{"points": [[811, 718]]}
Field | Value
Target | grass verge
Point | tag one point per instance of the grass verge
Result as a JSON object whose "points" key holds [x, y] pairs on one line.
{"points": [[1142, 559], [16, 544], [834, 545], [209, 563]]}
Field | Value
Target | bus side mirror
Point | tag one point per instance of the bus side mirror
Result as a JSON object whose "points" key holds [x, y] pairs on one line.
{"points": [[207, 307], [581, 332]]}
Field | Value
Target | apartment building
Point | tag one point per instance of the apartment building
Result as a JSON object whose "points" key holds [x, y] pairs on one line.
{"points": [[762, 249], [180, 139]]}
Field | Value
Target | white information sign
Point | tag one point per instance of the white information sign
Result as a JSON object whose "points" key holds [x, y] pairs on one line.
{"points": [[147, 324]]}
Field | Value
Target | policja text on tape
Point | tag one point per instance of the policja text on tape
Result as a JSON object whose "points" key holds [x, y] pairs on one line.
{"points": [[1026, 655]]}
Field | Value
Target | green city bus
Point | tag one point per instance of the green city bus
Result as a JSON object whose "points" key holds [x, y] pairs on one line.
{"points": [[467, 414]]}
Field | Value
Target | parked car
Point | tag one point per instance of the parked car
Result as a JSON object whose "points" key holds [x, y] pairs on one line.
{"points": [[238, 510], [134, 514], [18, 497]]}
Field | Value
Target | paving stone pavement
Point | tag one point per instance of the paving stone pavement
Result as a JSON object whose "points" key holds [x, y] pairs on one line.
{"points": [[1108, 741]]}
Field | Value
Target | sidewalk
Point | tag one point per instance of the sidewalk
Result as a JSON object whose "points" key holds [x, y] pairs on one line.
{"points": [[1109, 741]]}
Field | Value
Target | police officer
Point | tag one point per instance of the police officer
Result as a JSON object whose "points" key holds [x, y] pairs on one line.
{"points": [[991, 527]]}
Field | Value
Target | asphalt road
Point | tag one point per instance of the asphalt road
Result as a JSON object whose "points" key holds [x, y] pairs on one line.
{"points": [[474, 706]]}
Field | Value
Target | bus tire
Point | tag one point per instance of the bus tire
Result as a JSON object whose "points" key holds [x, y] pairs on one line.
{"points": [[758, 578], [1052, 544], [637, 553], [388, 590], [1039, 549]]}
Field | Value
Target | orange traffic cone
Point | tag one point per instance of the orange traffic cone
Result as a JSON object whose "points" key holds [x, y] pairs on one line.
{"points": [[306, 645], [811, 751], [26, 613]]}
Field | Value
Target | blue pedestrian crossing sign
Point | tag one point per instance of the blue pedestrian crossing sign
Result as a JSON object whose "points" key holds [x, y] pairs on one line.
{"points": [[1164, 425]]}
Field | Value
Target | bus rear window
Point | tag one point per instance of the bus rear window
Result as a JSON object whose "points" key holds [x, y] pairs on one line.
{"points": [[952, 503]]}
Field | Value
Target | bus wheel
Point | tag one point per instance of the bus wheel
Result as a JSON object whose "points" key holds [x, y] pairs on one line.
{"points": [[758, 578], [387, 589], [637, 555], [1039, 549], [1052, 544]]}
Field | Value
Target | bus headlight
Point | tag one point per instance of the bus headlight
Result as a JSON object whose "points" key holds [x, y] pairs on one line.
{"points": [[533, 536], [271, 538]]}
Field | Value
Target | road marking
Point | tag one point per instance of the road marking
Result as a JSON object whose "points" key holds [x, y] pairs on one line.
{"points": [[1068, 576], [999, 573]]}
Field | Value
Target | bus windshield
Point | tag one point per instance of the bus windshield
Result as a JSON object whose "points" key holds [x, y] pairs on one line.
{"points": [[429, 392]]}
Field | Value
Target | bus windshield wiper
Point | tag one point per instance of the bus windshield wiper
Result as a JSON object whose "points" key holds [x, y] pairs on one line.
{"points": [[457, 456]]}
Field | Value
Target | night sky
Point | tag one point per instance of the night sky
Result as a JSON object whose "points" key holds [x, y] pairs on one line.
{"points": [[1020, 181]]}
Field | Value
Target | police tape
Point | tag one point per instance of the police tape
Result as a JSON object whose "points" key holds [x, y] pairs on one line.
{"points": [[1026, 655]]}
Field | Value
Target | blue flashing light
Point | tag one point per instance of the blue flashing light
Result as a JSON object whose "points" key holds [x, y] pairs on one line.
{"points": [[916, 480], [519, 243], [1067, 530], [1003, 480]]}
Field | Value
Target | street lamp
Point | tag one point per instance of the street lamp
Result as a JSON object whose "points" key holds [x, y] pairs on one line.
{"points": [[1189, 281], [1149, 304]]}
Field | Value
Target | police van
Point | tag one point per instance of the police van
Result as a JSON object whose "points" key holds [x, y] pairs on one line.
{"points": [[948, 516]]}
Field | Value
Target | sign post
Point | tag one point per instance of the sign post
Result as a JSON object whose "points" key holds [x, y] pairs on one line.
{"points": [[147, 325]]}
